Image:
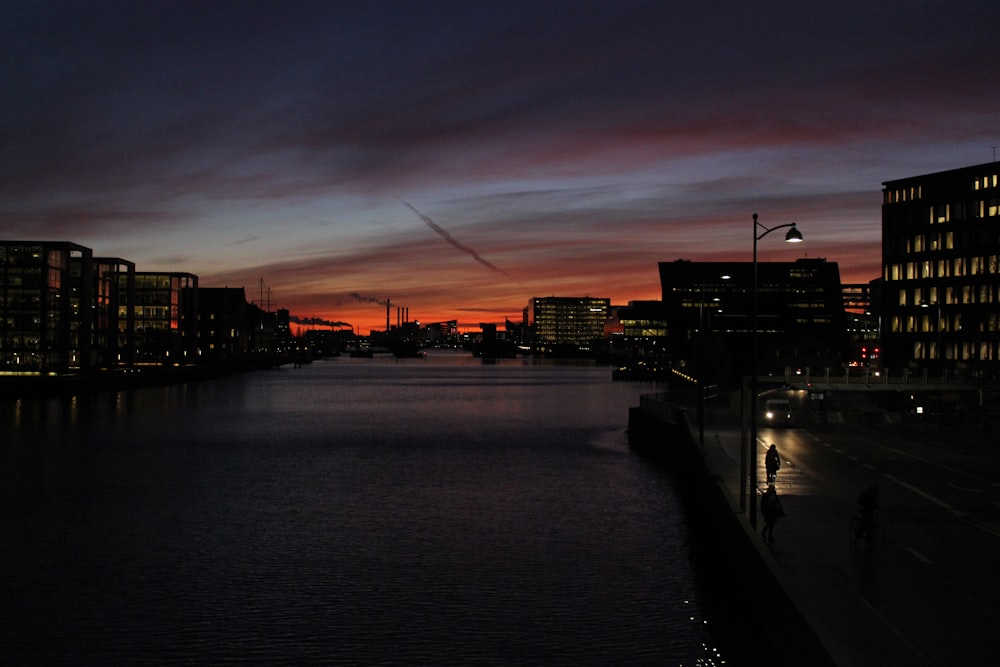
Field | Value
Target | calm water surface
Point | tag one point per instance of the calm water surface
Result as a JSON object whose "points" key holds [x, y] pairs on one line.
{"points": [[355, 511]]}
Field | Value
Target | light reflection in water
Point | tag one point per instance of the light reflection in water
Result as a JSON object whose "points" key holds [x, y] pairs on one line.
{"points": [[356, 512]]}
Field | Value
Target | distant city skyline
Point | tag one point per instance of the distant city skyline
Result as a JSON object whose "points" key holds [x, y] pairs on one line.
{"points": [[459, 159]]}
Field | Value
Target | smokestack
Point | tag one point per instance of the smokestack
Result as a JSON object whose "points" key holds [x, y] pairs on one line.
{"points": [[387, 315]]}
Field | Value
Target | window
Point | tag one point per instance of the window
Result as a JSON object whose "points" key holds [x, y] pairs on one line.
{"points": [[940, 213]]}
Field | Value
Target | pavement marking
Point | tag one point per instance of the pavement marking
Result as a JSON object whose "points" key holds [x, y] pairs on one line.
{"points": [[919, 492], [961, 516], [903, 453], [966, 489], [919, 556]]}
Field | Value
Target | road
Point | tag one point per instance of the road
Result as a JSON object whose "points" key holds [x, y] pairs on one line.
{"points": [[936, 580]]}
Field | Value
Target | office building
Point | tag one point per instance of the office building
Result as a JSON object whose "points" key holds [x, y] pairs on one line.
{"points": [[800, 317], [566, 321], [941, 272]]}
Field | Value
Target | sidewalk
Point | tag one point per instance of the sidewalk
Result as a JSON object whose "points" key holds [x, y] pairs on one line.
{"points": [[807, 558]]}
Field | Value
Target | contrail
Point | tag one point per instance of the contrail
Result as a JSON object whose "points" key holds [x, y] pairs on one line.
{"points": [[464, 248]]}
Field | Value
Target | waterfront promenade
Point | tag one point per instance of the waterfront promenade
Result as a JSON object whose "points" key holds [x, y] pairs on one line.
{"points": [[825, 600]]}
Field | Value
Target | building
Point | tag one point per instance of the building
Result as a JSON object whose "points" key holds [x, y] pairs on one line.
{"points": [[231, 329], [941, 272], [165, 310], [45, 313], [709, 310], [558, 321], [63, 310], [639, 331], [113, 331], [224, 323]]}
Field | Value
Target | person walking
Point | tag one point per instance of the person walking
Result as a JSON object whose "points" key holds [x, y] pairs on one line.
{"points": [[772, 462], [771, 510]]}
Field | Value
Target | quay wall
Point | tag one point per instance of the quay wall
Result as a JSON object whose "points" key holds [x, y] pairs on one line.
{"points": [[662, 433]]}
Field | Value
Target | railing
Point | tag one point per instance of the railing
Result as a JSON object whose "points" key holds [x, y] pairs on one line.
{"points": [[872, 376]]}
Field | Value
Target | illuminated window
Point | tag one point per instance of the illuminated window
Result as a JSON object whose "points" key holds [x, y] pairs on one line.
{"points": [[940, 213]]}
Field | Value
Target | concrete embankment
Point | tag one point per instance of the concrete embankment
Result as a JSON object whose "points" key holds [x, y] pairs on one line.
{"points": [[661, 432]]}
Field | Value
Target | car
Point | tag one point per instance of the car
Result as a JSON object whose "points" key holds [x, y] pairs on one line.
{"points": [[778, 412]]}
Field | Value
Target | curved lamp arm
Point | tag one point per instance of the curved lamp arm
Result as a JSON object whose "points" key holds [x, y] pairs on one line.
{"points": [[793, 235]]}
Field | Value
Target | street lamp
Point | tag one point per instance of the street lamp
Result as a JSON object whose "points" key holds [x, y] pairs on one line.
{"points": [[792, 236]]}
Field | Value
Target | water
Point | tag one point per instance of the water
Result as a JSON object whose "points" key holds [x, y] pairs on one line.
{"points": [[354, 511]]}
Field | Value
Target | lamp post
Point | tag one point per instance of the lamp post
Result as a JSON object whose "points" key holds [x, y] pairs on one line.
{"points": [[792, 236]]}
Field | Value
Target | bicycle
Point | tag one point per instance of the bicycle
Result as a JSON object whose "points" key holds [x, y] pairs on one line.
{"points": [[858, 528]]}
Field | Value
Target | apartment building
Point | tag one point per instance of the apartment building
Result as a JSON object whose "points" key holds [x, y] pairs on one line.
{"points": [[45, 318]]}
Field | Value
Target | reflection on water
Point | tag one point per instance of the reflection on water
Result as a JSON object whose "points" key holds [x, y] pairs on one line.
{"points": [[352, 511]]}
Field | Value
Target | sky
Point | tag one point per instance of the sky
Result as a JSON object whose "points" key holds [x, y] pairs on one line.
{"points": [[457, 159]]}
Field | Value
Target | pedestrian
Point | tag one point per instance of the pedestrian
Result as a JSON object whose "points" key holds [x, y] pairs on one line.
{"points": [[772, 463], [771, 510]]}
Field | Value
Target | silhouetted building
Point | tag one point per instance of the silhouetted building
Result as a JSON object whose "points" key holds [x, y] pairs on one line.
{"points": [[45, 306], [862, 306], [709, 311], [113, 322], [165, 308], [941, 271], [224, 323]]}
